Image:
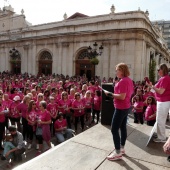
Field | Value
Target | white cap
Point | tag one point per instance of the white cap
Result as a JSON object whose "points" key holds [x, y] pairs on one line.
{"points": [[16, 98]]}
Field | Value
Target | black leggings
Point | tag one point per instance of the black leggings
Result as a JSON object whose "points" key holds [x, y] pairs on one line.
{"points": [[93, 115], [25, 127], [30, 132], [81, 120]]}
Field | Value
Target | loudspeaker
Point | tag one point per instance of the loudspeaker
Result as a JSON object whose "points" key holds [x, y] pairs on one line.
{"points": [[107, 105]]}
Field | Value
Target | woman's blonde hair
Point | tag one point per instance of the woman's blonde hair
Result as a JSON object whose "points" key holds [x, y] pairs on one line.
{"points": [[124, 69]]}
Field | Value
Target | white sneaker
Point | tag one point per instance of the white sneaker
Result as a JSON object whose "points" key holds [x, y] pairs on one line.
{"points": [[159, 140], [29, 146], [37, 147], [114, 156], [122, 151]]}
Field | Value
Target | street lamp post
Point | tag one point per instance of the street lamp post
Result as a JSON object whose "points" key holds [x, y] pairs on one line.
{"points": [[93, 53]]}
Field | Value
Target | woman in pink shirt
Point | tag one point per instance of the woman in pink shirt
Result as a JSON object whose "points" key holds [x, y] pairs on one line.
{"points": [[96, 105], [64, 106], [61, 129], [123, 91], [53, 109], [88, 101], [31, 117], [43, 121], [78, 107], [162, 95], [138, 109], [14, 114], [150, 112], [22, 108]]}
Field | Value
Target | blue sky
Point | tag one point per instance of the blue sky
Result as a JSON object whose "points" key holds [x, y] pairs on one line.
{"points": [[43, 11]]}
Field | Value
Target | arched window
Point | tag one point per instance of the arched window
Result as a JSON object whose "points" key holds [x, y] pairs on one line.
{"points": [[45, 63]]}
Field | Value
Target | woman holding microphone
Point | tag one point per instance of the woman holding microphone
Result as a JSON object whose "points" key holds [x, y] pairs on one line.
{"points": [[162, 95], [123, 90]]}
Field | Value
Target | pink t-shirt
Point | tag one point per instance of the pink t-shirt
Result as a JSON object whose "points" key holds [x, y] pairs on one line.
{"points": [[97, 102], [22, 108], [138, 105], [53, 109], [32, 116], [66, 104], [14, 113], [88, 102], [125, 85], [6, 103], [150, 110], [78, 104], [164, 82], [2, 116], [59, 124]]}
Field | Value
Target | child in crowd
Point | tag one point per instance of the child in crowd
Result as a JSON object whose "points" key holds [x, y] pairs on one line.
{"points": [[7, 147], [150, 113]]}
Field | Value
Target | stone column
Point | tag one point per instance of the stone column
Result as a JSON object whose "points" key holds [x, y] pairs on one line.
{"points": [[25, 61]]}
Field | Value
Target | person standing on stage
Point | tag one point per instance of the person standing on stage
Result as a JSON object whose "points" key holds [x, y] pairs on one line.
{"points": [[162, 95], [123, 91]]}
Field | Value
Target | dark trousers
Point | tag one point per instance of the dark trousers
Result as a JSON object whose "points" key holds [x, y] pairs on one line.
{"points": [[30, 132], [52, 129], [18, 154], [138, 117], [95, 112], [81, 120], [2, 130], [119, 121], [151, 122], [25, 127]]}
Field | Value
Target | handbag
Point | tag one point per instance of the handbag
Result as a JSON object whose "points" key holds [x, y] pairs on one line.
{"points": [[38, 131]]}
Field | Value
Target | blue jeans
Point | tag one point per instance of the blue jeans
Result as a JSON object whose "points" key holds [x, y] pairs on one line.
{"points": [[66, 134], [119, 121]]}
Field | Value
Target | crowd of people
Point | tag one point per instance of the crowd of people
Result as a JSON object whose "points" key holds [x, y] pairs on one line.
{"points": [[37, 108], [40, 107]]}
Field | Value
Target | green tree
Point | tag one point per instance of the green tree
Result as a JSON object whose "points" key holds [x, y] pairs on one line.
{"points": [[152, 69]]}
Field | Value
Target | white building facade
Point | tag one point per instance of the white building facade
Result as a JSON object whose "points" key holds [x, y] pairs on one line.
{"points": [[61, 47]]}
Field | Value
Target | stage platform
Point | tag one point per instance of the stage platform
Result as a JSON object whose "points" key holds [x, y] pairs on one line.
{"points": [[88, 151]]}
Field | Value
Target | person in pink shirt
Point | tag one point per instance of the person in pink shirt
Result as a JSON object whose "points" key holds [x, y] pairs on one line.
{"points": [[88, 101], [2, 122], [150, 112], [123, 91], [96, 105], [61, 131], [92, 88], [34, 95], [40, 97], [14, 114], [22, 108], [64, 106], [31, 117], [78, 107], [43, 121], [138, 109], [53, 109], [162, 95], [6, 103]]}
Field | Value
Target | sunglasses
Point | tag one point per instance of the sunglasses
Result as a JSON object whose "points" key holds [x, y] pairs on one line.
{"points": [[33, 104], [149, 99], [40, 96], [158, 69]]}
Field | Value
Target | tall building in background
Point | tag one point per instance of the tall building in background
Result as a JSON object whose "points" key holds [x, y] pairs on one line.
{"points": [[164, 26]]}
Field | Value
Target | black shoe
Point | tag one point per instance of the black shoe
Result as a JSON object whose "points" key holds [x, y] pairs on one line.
{"points": [[3, 158], [1, 148], [168, 158]]}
